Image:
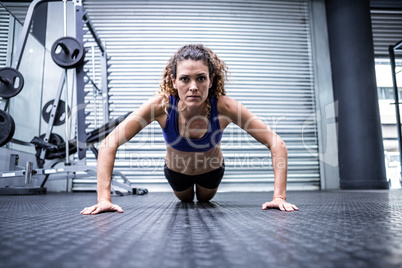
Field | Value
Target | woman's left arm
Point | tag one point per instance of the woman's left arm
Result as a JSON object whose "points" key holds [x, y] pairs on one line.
{"points": [[233, 111]]}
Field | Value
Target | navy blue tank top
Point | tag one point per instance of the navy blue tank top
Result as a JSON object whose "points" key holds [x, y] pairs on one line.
{"points": [[172, 135]]}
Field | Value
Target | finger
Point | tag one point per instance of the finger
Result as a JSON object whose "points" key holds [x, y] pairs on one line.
{"points": [[89, 210], [266, 205], [96, 211], [118, 208], [82, 211], [282, 207], [288, 207], [295, 208]]}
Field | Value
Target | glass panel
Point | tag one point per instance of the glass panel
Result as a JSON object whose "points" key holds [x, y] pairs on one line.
{"points": [[388, 118], [25, 108]]}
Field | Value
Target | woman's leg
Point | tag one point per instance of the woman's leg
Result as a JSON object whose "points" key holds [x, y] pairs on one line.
{"points": [[186, 195], [205, 194]]}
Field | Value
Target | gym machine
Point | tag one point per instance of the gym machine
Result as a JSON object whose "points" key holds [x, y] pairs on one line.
{"points": [[69, 54]]}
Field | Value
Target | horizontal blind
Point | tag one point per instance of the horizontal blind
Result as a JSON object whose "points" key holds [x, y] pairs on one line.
{"points": [[17, 9], [4, 32], [387, 30], [266, 45]]}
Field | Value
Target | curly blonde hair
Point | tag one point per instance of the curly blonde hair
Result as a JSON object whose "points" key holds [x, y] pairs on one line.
{"points": [[218, 72]]}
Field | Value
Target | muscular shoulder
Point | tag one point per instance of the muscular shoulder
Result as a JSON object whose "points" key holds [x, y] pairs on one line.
{"points": [[155, 104], [157, 99], [159, 104], [227, 106], [227, 109], [234, 111], [151, 109]]}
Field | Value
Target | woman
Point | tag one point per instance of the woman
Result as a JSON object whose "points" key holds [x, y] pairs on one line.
{"points": [[192, 110]]}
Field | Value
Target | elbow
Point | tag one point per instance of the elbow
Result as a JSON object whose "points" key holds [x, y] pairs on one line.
{"points": [[280, 155], [282, 145], [103, 144], [278, 145]]}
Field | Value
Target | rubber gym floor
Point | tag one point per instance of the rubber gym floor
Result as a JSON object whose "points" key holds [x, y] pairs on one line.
{"points": [[332, 229]]}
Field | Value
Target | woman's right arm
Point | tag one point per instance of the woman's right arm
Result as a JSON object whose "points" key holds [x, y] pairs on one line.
{"points": [[125, 131]]}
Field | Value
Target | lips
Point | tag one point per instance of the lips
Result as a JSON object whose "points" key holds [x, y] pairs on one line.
{"points": [[193, 97]]}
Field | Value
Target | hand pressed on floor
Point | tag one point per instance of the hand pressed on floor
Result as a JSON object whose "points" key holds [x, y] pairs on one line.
{"points": [[103, 206], [281, 204]]}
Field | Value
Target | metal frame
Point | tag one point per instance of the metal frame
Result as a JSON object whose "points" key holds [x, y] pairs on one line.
{"points": [[80, 84], [82, 19], [53, 114], [326, 114], [105, 87], [391, 50]]}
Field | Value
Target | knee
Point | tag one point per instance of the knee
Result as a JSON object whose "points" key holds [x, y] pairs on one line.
{"points": [[204, 194], [186, 198], [204, 199]]}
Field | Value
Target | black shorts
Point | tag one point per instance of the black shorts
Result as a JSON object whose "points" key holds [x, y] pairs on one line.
{"points": [[180, 182]]}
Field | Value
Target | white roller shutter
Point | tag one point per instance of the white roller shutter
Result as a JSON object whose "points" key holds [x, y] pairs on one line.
{"points": [[266, 45], [387, 30]]}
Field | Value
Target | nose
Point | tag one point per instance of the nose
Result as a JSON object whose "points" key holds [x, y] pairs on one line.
{"points": [[193, 86]]}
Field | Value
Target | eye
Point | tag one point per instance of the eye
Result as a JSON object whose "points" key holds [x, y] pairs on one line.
{"points": [[202, 78], [184, 79]]}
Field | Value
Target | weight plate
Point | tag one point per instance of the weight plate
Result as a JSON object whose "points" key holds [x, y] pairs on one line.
{"points": [[60, 116], [11, 82], [7, 128], [54, 139], [68, 52]]}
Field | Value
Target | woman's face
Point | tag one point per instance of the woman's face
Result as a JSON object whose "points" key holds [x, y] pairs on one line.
{"points": [[192, 82]]}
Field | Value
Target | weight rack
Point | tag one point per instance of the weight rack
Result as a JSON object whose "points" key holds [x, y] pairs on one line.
{"points": [[81, 19]]}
